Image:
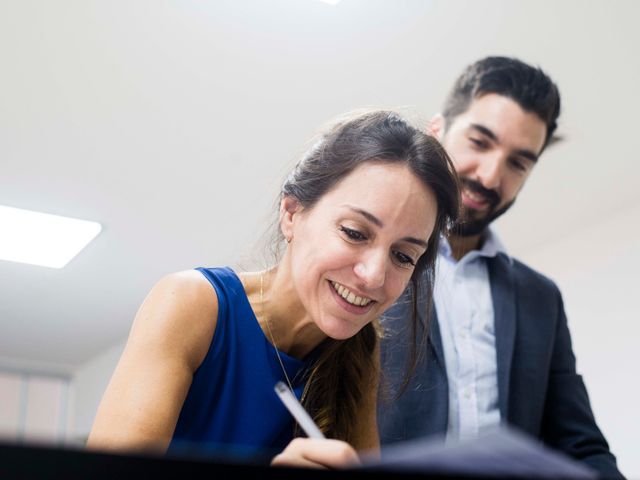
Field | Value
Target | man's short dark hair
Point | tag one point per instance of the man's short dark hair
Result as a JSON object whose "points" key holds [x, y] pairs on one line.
{"points": [[528, 86]]}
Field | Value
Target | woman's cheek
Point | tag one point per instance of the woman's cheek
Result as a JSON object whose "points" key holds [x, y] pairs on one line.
{"points": [[399, 286]]}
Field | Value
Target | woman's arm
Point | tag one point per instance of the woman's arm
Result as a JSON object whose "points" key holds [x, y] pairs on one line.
{"points": [[169, 339]]}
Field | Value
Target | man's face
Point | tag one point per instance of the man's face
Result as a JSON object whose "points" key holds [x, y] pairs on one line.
{"points": [[494, 146]]}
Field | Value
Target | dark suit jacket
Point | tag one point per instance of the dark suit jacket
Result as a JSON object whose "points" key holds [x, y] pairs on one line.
{"points": [[539, 391]]}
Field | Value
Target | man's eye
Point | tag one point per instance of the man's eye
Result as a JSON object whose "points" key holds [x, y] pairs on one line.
{"points": [[478, 143], [518, 165], [352, 234], [402, 259]]}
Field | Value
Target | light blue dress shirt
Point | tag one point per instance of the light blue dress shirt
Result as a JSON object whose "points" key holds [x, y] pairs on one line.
{"points": [[462, 295]]}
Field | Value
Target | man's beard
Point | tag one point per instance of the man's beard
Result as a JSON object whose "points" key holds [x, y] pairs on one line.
{"points": [[467, 225]]}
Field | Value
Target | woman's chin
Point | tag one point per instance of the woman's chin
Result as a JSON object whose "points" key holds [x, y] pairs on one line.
{"points": [[340, 329]]}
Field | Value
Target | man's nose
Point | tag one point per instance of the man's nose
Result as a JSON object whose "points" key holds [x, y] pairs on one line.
{"points": [[490, 171]]}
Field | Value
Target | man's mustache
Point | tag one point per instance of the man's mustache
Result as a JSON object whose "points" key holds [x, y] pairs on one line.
{"points": [[476, 187]]}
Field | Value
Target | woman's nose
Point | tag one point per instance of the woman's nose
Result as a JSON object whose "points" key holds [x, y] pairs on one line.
{"points": [[371, 271]]}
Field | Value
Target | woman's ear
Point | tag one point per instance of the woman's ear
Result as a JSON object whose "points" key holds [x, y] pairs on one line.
{"points": [[289, 207]]}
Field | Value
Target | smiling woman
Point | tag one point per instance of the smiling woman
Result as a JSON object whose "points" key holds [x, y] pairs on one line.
{"points": [[359, 219]]}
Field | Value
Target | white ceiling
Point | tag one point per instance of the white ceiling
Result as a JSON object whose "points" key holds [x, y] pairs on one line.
{"points": [[173, 123]]}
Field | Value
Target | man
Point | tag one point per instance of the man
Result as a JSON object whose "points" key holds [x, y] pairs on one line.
{"points": [[498, 347]]}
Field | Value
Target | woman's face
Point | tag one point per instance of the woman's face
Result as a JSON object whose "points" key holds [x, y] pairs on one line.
{"points": [[353, 253]]}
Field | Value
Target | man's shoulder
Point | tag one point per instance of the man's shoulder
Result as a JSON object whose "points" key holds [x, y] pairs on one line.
{"points": [[526, 275]]}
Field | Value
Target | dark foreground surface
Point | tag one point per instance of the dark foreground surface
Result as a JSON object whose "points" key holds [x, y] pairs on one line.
{"points": [[501, 454], [48, 462]]}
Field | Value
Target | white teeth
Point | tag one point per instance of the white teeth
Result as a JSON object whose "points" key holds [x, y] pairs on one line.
{"points": [[362, 301], [350, 296], [474, 196]]}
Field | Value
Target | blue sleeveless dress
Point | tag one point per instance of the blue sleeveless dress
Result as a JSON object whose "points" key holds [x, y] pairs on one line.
{"points": [[231, 406]]}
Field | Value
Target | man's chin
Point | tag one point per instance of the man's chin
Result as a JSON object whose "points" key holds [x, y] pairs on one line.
{"points": [[467, 226]]}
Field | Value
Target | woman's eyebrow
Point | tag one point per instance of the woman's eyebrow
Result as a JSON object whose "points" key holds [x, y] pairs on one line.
{"points": [[369, 216], [376, 221]]}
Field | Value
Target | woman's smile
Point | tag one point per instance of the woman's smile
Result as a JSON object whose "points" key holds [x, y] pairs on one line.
{"points": [[349, 301]]}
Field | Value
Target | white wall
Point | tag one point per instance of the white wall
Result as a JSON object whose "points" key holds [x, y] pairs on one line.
{"points": [[34, 404], [597, 271], [49, 403], [11, 390], [89, 384]]}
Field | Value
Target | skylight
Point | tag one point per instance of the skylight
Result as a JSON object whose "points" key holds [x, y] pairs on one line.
{"points": [[42, 239]]}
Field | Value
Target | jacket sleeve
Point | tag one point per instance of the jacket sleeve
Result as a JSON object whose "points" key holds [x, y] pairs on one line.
{"points": [[568, 422]]}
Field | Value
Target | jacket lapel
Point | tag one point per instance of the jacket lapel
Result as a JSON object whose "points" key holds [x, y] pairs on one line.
{"points": [[437, 414], [435, 339], [503, 294]]}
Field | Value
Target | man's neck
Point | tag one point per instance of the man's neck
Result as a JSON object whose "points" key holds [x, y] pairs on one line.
{"points": [[460, 246]]}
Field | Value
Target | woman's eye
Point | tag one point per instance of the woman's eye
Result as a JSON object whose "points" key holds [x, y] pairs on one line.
{"points": [[352, 234], [403, 260]]}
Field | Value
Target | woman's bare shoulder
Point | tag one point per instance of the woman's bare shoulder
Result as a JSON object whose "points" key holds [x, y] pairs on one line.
{"points": [[179, 315]]}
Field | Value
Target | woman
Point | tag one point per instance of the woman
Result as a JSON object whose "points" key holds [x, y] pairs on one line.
{"points": [[361, 215]]}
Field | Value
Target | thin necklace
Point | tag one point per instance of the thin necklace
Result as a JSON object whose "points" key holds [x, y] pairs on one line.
{"points": [[273, 341]]}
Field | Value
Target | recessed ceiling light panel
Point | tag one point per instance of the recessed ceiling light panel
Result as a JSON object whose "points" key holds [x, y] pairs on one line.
{"points": [[42, 239]]}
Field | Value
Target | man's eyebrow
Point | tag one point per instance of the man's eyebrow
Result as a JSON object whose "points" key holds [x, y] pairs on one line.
{"points": [[528, 154], [376, 221], [485, 131]]}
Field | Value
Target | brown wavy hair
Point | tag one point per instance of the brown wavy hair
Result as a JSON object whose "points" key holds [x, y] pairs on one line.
{"points": [[345, 370]]}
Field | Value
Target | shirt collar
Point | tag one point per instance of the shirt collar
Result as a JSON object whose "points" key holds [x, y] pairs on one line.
{"points": [[491, 247]]}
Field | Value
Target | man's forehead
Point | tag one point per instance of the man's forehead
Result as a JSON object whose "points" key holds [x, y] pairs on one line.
{"points": [[504, 121]]}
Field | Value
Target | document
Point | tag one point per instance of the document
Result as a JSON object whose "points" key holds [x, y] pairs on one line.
{"points": [[503, 452]]}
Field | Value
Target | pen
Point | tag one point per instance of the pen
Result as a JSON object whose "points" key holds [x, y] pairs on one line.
{"points": [[299, 413]]}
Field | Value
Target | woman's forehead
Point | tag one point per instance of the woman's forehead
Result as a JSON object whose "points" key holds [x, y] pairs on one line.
{"points": [[389, 192]]}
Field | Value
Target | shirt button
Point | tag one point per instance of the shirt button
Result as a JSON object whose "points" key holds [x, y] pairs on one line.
{"points": [[467, 393]]}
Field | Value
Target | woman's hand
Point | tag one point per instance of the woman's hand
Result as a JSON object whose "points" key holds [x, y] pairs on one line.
{"points": [[317, 453]]}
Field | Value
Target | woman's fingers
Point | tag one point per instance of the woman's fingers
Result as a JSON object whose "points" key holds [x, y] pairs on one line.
{"points": [[317, 453]]}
